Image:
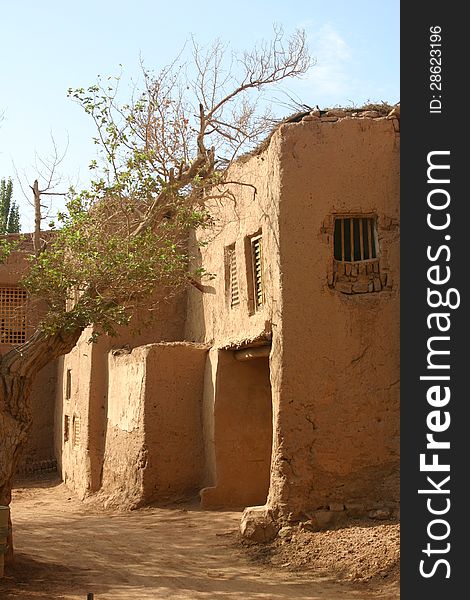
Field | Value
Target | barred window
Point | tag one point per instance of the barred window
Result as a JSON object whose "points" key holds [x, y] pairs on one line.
{"points": [[355, 239], [357, 266], [12, 315]]}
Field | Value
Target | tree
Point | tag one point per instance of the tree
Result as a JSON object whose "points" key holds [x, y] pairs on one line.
{"points": [[9, 212], [164, 154]]}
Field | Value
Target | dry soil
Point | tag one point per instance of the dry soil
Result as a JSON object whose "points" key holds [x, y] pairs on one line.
{"points": [[66, 548]]}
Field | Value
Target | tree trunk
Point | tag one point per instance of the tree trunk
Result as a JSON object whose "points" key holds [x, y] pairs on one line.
{"points": [[14, 431], [18, 369]]}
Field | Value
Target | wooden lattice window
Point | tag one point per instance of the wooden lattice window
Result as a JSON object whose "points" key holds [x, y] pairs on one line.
{"points": [[355, 239], [232, 277], [12, 315], [257, 266]]}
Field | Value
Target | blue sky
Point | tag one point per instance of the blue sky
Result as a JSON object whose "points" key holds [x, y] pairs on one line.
{"points": [[48, 46]]}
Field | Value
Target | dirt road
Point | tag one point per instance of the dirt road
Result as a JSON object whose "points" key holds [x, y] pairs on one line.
{"points": [[65, 548]]}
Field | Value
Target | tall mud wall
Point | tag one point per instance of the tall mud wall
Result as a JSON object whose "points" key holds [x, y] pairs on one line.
{"points": [[337, 424], [154, 447], [86, 369]]}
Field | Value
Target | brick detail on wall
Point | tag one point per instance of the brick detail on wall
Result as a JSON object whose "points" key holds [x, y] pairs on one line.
{"points": [[359, 277]]}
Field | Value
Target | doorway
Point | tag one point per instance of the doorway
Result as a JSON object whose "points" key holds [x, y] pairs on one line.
{"points": [[243, 431]]}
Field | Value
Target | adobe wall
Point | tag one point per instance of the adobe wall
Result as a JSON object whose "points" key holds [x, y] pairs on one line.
{"points": [[334, 361], [239, 400], [39, 450], [173, 426], [72, 418], [253, 208], [333, 370], [125, 453], [154, 447], [81, 465], [337, 421]]}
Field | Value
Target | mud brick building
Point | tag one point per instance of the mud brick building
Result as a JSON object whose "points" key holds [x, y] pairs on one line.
{"points": [[278, 387]]}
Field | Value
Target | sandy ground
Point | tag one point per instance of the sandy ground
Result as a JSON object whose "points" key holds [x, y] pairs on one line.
{"points": [[65, 549]]}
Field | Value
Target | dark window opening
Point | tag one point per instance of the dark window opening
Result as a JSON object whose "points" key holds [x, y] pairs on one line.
{"points": [[68, 385], [354, 239], [66, 428]]}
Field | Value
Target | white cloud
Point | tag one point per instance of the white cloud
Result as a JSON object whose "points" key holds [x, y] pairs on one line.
{"points": [[331, 75]]}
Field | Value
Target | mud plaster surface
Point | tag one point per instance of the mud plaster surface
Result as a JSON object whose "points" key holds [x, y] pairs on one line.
{"points": [[66, 548]]}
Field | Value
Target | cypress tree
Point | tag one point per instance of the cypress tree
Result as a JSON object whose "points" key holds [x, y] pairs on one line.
{"points": [[9, 211]]}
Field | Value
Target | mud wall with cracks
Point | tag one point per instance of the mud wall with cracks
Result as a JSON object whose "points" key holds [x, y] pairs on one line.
{"points": [[337, 420], [251, 208], [154, 448], [82, 391]]}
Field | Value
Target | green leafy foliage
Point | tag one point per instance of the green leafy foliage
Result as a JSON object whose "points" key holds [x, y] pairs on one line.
{"points": [[122, 244], [96, 271], [9, 211]]}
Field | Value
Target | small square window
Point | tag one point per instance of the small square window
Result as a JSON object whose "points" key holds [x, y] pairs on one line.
{"points": [[355, 239], [356, 264], [13, 302]]}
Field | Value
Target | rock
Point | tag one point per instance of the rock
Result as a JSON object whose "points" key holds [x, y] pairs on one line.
{"points": [[328, 119], [377, 284], [355, 510], [344, 287], [324, 518], [394, 113], [258, 524], [311, 117], [296, 516], [335, 506], [360, 287], [309, 526], [126, 349], [335, 112], [379, 513], [285, 533], [371, 114]]}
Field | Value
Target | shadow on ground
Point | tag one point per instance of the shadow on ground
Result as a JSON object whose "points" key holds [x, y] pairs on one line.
{"points": [[65, 549], [30, 578]]}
